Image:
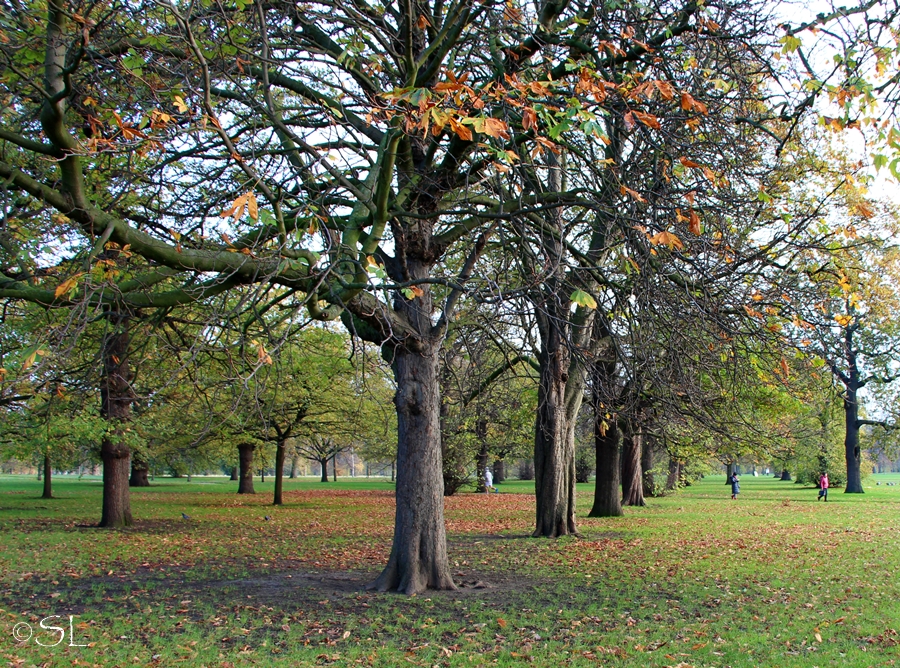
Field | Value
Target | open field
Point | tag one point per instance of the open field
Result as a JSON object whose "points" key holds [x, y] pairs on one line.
{"points": [[774, 579]]}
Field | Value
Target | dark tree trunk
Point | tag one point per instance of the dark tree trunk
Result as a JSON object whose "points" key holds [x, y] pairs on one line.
{"points": [[294, 467], [334, 467], [499, 470], [632, 485], [648, 484], [262, 475], [481, 461], [140, 472], [279, 473], [852, 451], [418, 559], [785, 474], [48, 475], [554, 459], [115, 397], [323, 463], [607, 499], [729, 471], [674, 476], [245, 459], [234, 473]]}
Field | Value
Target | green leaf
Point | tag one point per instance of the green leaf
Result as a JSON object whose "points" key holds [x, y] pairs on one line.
{"points": [[582, 298], [880, 161]]}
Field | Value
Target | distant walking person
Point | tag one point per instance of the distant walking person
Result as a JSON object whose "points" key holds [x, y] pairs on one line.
{"points": [[823, 487], [488, 480], [735, 486]]}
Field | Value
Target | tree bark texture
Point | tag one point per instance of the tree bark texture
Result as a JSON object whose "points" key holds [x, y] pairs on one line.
{"points": [[293, 467], [115, 397], [323, 464], [418, 559], [607, 497], [245, 459], [279, 473], [648, 484], [785, 475], [729, 471], [674, 476], [234, 473], [140, 473], [852, 452], [554, 455], [48, 476], [632, 485], [499, 470]]}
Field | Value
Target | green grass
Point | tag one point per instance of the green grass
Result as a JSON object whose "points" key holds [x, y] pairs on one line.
{"points": [[695, 579]]}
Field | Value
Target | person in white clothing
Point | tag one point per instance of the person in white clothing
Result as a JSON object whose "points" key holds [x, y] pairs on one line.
{"points": [[488, 481]]}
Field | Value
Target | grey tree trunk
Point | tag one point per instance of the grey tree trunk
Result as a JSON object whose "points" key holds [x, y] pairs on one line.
{"points": [[729, 471], [852, 452], [499, 470], [481, 461], [293, 467], [785, 474], [674, 476], [115, 406], [323, 463], [245, 459], [632, 484], [554, 459], [48, 475], [418, 559], [234, 473]]}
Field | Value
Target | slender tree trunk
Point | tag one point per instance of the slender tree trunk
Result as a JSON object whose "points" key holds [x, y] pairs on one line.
{"points": [[116, 397], [294, 467], [234, 473], [481, 461], [334, 467], [607, 497], [48, 474], [632, 486], [323, 463], [729, 471], [418, 559], [140, 471], [279, 473], [40, 471], [245, 459]]}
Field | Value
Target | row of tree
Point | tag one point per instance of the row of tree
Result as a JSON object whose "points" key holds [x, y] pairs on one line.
{"points": [[638, 205]]}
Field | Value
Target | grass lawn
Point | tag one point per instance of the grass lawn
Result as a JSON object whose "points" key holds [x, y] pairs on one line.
{"points": [[773, 579]]}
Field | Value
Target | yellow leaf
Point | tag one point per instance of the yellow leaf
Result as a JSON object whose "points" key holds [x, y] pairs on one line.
{"points": [[252, 206], [494, 127], [180, 105], [67, 286], [667, 239]]}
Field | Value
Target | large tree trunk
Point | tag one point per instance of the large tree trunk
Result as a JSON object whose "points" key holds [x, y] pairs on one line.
{"points": [[648, 484], [418, 558], [324, 464], [115, 397], [632, 485], [245, 459], [294, 467], [852, 451], [234, 473], [785, 475], [279, 473], [554, 456], [140, 472], [499, 470], [607, 498], [48, 474], [729, 471]]}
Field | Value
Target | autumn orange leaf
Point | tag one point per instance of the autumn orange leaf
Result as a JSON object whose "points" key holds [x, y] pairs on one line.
{"points": [[689, 163], [647, 119], [529, 119], [694, 225], [667, 239]]}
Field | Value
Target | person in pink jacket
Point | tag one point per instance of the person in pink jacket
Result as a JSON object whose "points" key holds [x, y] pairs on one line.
{"points": [[823, 486]]}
